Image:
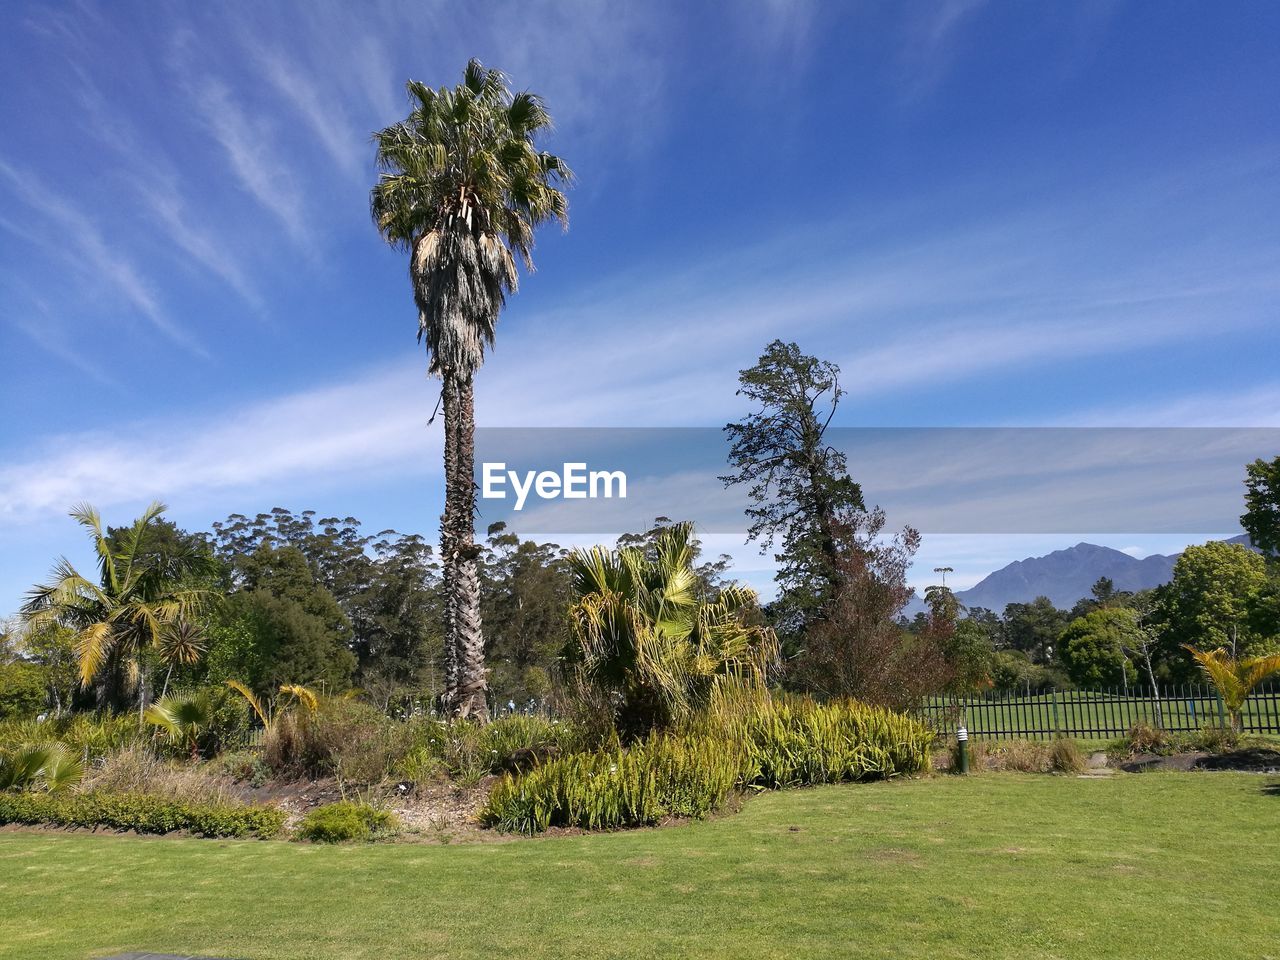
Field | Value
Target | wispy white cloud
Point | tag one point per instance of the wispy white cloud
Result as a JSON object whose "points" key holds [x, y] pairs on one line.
{"points": [[254, 156], [931, 40], [154, 178], [1253, 406], [40, 325], [90, 253], [372, 423], [325, 116], [205, 248]]}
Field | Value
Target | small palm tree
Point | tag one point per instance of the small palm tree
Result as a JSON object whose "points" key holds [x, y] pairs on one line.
{"points": [[183, 717], [462, 189], [43, 765], [644, 634], [140, 603], [268, 713], [1234, 678]]}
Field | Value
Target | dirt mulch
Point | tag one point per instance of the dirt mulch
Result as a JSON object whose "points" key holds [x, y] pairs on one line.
{"points": [[1247, 760], [429, 812]]}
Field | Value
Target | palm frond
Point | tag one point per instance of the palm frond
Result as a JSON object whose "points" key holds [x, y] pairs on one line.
{"points": [[254, 702], [304, 695]]}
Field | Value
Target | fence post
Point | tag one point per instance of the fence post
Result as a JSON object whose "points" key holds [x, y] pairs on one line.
{"points": [[1222, 713], [1057, 726]]}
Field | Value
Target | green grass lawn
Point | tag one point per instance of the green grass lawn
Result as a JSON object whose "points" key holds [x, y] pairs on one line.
{"points": [[1002, 865]]}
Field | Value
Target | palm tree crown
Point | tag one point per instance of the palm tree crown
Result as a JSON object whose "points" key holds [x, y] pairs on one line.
{"points": [[462, 188], [143, 599], [643, 632]]}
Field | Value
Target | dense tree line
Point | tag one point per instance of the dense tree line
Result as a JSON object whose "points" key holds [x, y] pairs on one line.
{"points": [[285, 598]]}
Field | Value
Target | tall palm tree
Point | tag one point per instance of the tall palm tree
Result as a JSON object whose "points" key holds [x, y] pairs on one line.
{"points": [[142, 602], [645, 635], [462, 188]]}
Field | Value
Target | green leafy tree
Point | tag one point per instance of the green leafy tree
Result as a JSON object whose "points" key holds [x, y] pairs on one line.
{"points": [[798, 484], [1093, 647], [972, 655], [462, 190], [133, 612], [1208, 602], [1261, 519], [527, 597], [299, 630], [24, 689], [51, 647], [387, 585], [1032, 628], [643, 634]]}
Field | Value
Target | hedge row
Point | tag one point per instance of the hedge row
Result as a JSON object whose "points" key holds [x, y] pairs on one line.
{"points": [[140, 813]]}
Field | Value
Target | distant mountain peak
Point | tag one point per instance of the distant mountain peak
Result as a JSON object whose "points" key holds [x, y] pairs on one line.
{"points": [[1068, 575]]}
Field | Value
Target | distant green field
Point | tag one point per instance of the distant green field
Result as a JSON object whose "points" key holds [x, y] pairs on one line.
{"points": [[1099, 714], [999, 866]]}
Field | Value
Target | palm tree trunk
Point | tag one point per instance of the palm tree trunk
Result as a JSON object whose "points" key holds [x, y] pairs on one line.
{"points": [[465, 675], [473, 685], [449, 395]]}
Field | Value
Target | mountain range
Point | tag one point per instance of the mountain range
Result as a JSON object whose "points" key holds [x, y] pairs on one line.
{"points": [[1065, 576]]}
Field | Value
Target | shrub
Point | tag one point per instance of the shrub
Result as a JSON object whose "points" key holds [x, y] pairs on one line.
{"points": [[665, 775], [244, 766], [1065, 756], [1022, 756], [88, 736], [47, 766], [798, 742], [1215, 739], [138, 770], [340, 736], [1144, 738], [760, 742], [346, 820], [140, 813], [467, 752]]}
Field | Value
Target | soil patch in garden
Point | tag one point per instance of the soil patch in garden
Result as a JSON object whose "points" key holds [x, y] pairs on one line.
{"points": [[1247, 760], [435, 812]]}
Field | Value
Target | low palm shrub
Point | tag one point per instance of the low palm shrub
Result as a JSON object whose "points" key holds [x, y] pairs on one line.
{"points": [[43, 766], [648, 635], [346, 820], [140, 813]]}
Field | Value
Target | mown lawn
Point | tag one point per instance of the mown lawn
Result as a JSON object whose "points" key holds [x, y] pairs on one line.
{"points": [[1002, 865]]}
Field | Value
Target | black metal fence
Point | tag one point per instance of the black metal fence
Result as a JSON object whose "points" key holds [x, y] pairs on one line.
{"points": [[1099, 714]]}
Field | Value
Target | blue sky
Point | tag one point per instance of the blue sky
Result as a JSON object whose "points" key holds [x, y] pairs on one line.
{"points": [[987, 213]]}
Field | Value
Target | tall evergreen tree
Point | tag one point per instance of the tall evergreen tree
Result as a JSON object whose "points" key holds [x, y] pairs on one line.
{"points": [[798, 484]]}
